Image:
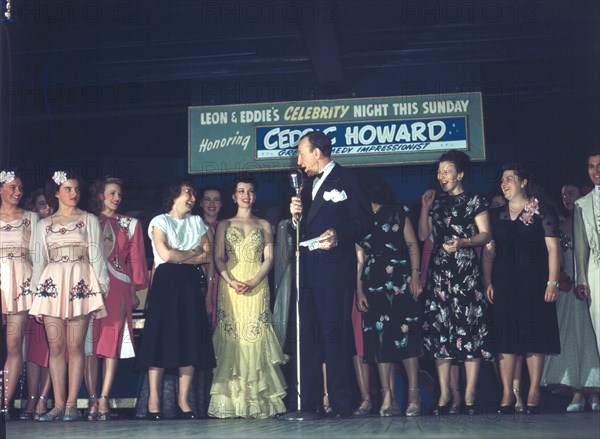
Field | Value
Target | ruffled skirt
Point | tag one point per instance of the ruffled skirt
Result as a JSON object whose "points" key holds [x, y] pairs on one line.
{"points": [[248, 381]]}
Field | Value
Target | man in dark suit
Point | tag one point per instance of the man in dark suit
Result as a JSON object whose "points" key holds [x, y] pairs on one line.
{"points": [[333, 206]]}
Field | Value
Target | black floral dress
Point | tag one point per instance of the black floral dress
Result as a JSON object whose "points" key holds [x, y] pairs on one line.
{"points": [[391, 326], [456, 313]]}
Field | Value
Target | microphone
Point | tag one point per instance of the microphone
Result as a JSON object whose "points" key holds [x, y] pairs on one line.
{"points": [[296, 180]]}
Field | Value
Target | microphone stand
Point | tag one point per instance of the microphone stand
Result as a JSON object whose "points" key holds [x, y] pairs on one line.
{"points": [[298, 415]]}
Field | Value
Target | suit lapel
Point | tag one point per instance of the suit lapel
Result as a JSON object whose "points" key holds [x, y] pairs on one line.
{"points": [[318, 201]]}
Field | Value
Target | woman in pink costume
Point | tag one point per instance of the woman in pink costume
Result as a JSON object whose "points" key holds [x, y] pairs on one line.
{"points": [[17, 228], [71, 277], [123, 246]]}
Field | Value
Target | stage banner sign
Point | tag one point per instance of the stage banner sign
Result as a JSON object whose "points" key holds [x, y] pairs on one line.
{"points": [[381, 131]]}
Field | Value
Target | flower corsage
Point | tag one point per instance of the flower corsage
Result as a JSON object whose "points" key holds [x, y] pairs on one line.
{"points": [[530, 209]]}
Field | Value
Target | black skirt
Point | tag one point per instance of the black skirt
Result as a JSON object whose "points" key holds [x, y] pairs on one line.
{"points": [[177, 332]]}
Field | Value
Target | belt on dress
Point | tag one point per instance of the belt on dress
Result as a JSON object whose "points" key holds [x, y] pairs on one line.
{"points": [[68, 254], [13, 252]]}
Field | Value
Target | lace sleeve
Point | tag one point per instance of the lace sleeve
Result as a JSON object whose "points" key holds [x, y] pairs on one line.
{"points": [[550, 221]]}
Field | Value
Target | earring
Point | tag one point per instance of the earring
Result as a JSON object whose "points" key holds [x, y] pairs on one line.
{"points": [[522, 186]]}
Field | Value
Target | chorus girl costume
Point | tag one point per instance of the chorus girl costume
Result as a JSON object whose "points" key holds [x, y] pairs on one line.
{"points": [[17, 240], [70, 269], [123, 247]]}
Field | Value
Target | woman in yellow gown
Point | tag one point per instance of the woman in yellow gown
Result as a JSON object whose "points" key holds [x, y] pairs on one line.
{"points": [[247, 381]]}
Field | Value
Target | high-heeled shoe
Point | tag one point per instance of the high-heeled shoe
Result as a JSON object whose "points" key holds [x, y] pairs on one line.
{"points": [[104, 415], [506, 410], [185, 415], [36, 414], [385, 411], [576, 406], [413, 408], [71, 414], [472, 409], [532, 410], [364, 408], [92, 411], [455, 406], [154, 416], [441, 410], [55, 414], [326, 406], [28, 415], [519, 407], [594, 403]]}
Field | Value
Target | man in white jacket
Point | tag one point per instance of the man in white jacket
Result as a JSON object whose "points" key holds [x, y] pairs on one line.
{"points": [[587, 243]]}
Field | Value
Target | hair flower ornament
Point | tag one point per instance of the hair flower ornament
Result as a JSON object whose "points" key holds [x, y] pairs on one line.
{"points": [[7, 176], [530, 209], [59, 177]]}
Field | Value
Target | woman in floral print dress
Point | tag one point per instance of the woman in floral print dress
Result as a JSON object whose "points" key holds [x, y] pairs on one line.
{"points": [[71, 277], [456, 315], [387, 294]]}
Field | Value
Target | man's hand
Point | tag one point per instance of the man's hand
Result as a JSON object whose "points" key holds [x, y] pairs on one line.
{"points": [[330, 242], [296, 207]]}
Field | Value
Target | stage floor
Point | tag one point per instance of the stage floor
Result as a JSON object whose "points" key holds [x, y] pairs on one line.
{"points": [[549, 425]]}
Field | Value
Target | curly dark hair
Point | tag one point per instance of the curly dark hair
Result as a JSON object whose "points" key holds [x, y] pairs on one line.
{"points": [[96, 204], [243, 177], [51, 188], [460, 160], [377, 189], [174, 191], [526, 172]]}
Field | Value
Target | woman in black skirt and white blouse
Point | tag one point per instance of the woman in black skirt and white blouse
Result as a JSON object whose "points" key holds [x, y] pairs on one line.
{"points": [[177, 332]]}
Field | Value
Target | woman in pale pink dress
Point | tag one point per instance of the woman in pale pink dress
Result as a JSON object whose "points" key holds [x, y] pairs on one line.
{"points": [[123, 245], [17, 228], [71, 277], [36, 344]]}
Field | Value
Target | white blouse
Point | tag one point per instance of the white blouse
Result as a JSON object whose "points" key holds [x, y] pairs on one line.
{"points": [[182, 234]]}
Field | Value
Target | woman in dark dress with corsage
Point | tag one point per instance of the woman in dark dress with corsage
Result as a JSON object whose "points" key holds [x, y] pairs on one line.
{"points": [[522, 282], [456, 314], [387, 294]]}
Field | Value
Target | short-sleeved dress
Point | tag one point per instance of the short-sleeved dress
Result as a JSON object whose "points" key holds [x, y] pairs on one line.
{"points": [[177, 331], [70, 273], [16, 244], [392, 325], [523, 321], [456, 313]]}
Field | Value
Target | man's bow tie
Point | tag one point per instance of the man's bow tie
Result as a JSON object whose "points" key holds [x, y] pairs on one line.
{"points": [[319, 175]]}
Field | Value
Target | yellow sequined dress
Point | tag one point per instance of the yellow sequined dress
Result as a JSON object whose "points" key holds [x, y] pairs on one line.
{"points": [[247, 380]]}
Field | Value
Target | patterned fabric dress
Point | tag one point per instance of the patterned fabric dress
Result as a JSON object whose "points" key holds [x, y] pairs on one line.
{"points": [[247, 381], [456, 313], [70, 273], [16, 242], [391, 326]]}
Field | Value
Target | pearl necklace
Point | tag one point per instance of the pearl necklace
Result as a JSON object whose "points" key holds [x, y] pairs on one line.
{"points": [[515, 210]]}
